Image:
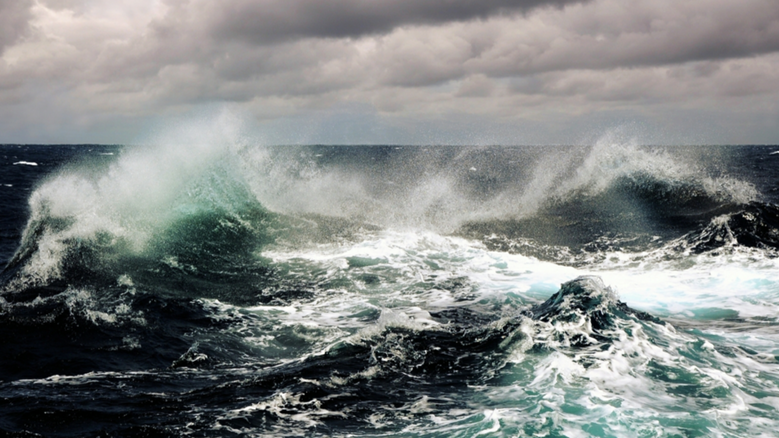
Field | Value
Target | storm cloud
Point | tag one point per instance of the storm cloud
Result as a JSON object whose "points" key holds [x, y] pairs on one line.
{"points": [[504, 71], [14, 20], [272, 20]]}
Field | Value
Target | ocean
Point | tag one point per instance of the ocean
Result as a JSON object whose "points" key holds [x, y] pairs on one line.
{"points": [[217, 290]]}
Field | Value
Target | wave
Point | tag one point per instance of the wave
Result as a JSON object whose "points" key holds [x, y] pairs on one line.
{"points": [[222, 288], [408, 364], [755, 225], [453, 363], [372, 338], [81, 228], [206, 207], [627, 195], [727, 228]]}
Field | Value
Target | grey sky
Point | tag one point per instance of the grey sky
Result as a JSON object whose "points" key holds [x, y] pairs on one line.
{"points": [[401, 71]]}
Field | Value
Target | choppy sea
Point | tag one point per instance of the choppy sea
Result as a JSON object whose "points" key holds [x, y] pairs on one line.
{"points": [[611, 290]]}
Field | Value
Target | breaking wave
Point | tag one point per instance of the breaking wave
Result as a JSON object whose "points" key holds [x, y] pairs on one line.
{"points": [[214, 288]]}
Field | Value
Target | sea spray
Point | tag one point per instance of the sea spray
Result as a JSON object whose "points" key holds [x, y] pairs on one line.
{"points": [[385, 291]]}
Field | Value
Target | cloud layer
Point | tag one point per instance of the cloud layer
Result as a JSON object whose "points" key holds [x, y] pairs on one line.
{"points": [[447, 71], [14, 20], [266, 21]]}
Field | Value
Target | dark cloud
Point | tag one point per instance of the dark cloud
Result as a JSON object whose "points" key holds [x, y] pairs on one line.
{"points": [[273, 20], [14, 20], [611, 34], [241, 40], [415, 60]]}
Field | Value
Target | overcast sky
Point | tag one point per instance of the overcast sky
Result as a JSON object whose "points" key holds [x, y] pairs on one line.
{"points": [[392, 71]]}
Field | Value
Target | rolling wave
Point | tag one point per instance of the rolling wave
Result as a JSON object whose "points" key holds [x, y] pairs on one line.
{"points": [[206, 201], [222, 289]]}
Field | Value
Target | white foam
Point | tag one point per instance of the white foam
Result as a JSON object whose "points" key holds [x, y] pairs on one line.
{"points": [[133, 199], [615, 385], [408, 258], [745, 281], [611, 159], [25, 163]]}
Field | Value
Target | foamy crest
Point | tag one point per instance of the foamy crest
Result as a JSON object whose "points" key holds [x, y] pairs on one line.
{"points": [[612, 158], [123, 205], [438, 190]]}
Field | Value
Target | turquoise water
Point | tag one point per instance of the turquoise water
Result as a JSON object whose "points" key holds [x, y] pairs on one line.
{"points": [[238, 290]]}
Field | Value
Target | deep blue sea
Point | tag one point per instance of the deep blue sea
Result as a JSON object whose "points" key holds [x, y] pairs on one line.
{"points": [[217, 290]]}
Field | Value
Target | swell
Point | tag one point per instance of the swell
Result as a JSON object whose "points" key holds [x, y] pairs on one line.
{"points": [[149, 268], [397, 373], [630, 199], [97, 245], [755, 225], [590, 240], [208, 209], [382, 369]]}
